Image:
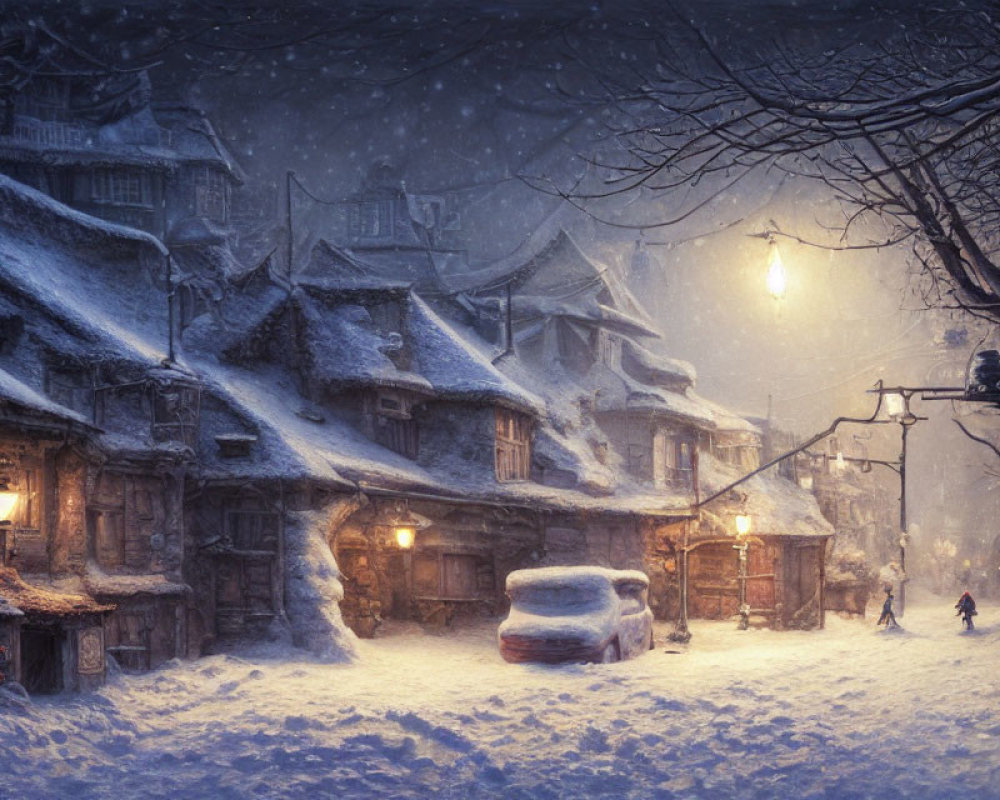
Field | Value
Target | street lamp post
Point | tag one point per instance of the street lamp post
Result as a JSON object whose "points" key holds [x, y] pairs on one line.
{"points": [[897, 406], [742, 530]]}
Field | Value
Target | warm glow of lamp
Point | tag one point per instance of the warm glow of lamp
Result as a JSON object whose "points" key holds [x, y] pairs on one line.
{"points": [[405, 537], [775, 274], [8, 499], [742, 524]]}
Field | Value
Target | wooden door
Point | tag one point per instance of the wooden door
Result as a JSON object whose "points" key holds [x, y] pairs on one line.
{"points": [[713, 589], [459, 573], [761, 561]]}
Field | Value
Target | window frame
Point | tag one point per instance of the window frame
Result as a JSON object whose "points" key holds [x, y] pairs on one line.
{"points": [[512, 445]]}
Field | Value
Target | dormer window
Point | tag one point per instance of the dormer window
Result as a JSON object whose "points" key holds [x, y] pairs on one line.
{"points": [[211, 190], [176, 413], [609, 348], [513, 445], [672, 460], [393, 424], [371, 219]]}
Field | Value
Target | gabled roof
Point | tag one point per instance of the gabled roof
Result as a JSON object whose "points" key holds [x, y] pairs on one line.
{"points": [[20, 403], [347, 349], [96, 280], [193, 138], [416, 266], [559, 279], [777, 506]]}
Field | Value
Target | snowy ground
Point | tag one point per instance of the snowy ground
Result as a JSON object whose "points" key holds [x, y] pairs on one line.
{"points": [[848, 712]]}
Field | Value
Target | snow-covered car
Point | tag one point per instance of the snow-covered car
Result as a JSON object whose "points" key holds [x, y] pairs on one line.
{"points": [[560, 614]]}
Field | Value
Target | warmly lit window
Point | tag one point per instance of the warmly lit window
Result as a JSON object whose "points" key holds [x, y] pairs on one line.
{"points": [[513, 445], [126, 187]]}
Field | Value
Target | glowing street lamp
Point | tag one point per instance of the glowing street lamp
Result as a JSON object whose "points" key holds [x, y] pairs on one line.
{"points": [[742, 524], [775, 273]]}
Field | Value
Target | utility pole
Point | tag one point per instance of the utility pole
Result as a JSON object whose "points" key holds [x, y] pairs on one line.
{"points": [[288, 219]]}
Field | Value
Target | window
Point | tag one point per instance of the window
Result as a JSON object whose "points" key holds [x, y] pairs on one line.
{"points": [[26, 535], [393, 426], [124, 187], [399, 435], [176, 414], [609, 348], [513, 445], [371, 219], [211, 188], [121, 517]]}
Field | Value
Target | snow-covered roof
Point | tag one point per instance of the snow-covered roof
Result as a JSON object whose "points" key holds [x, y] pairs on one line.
{"points": [[617, 391], [15, 393], [347, 350], [162, 138], [725, 419], [28, 210], [655, 369], [288, 446], [292, 445], [99, 583], [454, 367], [777, 507], [414, 266], [30, 598], [74, 265], [193, 137]]}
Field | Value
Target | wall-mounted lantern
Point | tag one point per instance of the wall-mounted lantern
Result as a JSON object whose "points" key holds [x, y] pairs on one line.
{"points": [[405, 525], [8, 500]]}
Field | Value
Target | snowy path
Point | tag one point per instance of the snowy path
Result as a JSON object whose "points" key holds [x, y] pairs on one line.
{"points": [[849, 712]]}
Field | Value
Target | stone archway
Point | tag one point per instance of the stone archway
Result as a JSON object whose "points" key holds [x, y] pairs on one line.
{"points": [[356, 557]]}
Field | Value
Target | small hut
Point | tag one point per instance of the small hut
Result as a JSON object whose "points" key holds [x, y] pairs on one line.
{"points": [[54, 641]]}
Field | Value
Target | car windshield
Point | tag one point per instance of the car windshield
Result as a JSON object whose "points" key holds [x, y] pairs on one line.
{"points": [[557, 600]]}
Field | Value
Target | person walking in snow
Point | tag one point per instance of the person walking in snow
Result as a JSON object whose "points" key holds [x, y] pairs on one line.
{"points": [[887, 616], [966, 610]]}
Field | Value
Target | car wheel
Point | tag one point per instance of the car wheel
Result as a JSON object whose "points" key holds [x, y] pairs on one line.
{"points": [[611, 653]]}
